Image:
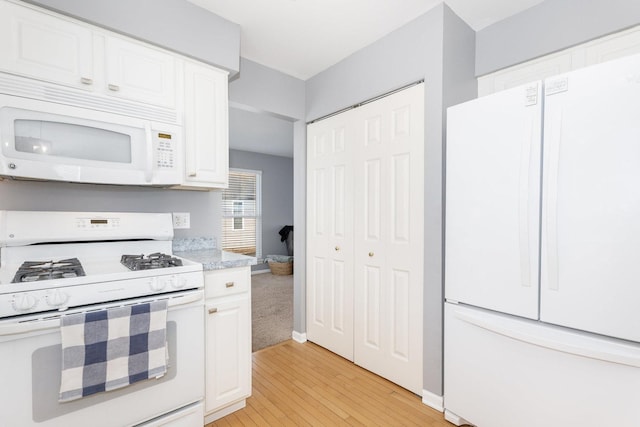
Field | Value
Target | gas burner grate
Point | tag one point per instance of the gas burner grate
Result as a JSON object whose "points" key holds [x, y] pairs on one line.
{"points": [[155, 260], [32, 271]]}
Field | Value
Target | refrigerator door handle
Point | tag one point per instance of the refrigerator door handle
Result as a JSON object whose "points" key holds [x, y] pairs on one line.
{"points": [[550, 199], [529, 167], [554, 338]]}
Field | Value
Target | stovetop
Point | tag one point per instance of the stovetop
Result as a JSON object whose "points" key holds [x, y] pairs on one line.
{"points": [[53, 281], [31, 271], [151, 261]]}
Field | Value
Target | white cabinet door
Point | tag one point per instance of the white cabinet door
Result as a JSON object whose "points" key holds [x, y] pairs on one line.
{"points": [[206, 127], [228, 351], [612, 47], [389, 237], [492, 201], [139, 73], [591, 199], [45, 47], [330, 234]]}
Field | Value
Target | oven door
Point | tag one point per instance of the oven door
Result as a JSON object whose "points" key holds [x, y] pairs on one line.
{"points": [[31, 365]]}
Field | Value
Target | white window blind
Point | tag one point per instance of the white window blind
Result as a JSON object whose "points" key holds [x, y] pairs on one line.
{"points": [[242, 213]]}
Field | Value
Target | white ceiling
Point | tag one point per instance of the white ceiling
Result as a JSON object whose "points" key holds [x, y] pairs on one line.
{"points": [[303, 37]]}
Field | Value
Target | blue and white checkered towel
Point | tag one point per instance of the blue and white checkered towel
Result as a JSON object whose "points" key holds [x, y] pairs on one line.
{"points": [[109, 349]]}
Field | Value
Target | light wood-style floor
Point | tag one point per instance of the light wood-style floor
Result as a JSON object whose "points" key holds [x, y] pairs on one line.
{"points": [[305, 385]]}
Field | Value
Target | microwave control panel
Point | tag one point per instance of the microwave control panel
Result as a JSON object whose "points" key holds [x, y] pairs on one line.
{"points": [[165, 150]]}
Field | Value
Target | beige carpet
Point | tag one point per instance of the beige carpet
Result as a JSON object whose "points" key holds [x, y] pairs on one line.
{"points": [[271, 309]]}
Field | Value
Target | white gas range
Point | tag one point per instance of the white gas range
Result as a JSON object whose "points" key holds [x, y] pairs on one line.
{"points": [[67, 259], [57, 263]]}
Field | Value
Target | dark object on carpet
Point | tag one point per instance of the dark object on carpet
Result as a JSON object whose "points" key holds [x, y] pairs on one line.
{"points": [[286, 236]]}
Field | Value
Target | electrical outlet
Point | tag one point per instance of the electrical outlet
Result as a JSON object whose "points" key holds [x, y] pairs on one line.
{"points": [[181, 220]]}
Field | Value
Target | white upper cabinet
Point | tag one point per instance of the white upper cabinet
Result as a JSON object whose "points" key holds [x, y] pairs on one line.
{"points": [[41, 46], [58, 50], [206, 126], [139, 73], [613, 46], [46, 55]]}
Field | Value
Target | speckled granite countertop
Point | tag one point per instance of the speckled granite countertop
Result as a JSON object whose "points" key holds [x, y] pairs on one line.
{"points": [[203, 250]]}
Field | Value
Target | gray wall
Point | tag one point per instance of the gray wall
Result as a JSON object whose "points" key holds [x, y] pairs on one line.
{"points": [[439, 48], [300, 224], [204, 206], [262, 89], [277, 195], [549, 27], [173, 24]]}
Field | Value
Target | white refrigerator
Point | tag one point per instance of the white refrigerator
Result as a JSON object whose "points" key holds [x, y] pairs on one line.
{"points": [[542, 253]]}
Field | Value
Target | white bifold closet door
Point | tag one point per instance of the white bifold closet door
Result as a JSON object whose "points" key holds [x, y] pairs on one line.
{"points": [[330, 235], [365, 235]]}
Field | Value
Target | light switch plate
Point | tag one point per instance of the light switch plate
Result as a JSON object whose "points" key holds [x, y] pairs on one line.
{"points": [[181, 220]]}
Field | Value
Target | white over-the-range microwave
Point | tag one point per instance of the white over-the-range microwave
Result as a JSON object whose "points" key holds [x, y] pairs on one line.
{"points": [[50, 140]]}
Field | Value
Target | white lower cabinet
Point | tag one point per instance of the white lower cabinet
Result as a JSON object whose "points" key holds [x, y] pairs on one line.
{"points": [[228, 341]]}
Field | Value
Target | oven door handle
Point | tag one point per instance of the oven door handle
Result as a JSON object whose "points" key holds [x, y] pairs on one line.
{"points": [[44, 324]]}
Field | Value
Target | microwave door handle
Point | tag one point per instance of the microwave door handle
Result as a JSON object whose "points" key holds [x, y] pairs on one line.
{"points": [[148, 173]]}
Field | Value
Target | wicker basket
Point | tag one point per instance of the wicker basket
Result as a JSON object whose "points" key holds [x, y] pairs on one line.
{"points": [[281, 268]]}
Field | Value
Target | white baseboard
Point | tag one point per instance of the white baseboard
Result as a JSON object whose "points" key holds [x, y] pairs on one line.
{"points": [[264, 270], [299, 337], [433, 400], [225, 411], [455, 419]]}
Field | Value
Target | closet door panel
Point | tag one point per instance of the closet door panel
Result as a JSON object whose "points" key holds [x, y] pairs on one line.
{"points": [[388, 159], [371, 314], [372, 209], [330, 237], [400, 305]]}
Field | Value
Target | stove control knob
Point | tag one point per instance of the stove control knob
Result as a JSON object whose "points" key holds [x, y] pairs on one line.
{"points": [[24, 302], [177, 283], [157, 284], [57, 298]]}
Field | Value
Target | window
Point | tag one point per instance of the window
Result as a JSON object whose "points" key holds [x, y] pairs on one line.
{"points": [[238, 211], [242, 213]]}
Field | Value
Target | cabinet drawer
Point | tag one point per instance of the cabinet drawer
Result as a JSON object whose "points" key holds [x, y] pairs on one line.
{"points": [[227, 282]]}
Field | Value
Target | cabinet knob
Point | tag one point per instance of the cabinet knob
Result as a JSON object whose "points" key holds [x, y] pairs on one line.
{"points": [[192, 174], [213, 310], [370, 254], [337, 248], [114, 88], [86, 81], [230, 284]]}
